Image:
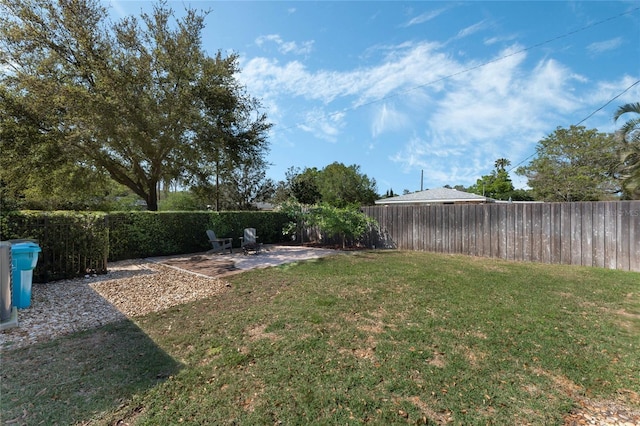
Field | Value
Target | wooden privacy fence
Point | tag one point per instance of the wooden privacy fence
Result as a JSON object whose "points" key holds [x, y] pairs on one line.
{"points": [[603, 234]]}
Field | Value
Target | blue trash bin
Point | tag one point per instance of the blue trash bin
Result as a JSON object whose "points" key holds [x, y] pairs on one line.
{"points": [[24, 258]]}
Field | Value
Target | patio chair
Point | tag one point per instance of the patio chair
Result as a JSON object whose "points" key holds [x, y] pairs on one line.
{"points": [[219, 244], [249, 242]]}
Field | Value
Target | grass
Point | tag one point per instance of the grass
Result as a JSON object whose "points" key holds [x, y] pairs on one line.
{"points": [[380, 337]]}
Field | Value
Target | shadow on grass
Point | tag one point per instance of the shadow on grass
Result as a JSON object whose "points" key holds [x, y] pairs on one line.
{"points": [[77, 378]]}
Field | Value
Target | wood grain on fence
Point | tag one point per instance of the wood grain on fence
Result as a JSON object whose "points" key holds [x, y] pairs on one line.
{"points": [[602, 234]]}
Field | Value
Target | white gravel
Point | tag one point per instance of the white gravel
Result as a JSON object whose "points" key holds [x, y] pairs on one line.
{"points": [[131, 288]]}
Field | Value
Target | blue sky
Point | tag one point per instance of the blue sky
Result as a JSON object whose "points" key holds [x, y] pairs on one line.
{"points": [[441, 87]]}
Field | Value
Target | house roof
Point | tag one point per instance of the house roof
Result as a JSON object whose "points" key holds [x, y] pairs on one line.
{"points": [[435, 196]]}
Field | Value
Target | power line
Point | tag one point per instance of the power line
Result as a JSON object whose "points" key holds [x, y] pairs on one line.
{"points": [[473, 68], [586, 118]]}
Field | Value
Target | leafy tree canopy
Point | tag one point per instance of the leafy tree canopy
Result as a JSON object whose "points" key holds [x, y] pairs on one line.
{"points": [[342, 185], [498, 184], [138, 99], [575, 164], [304, 185], [336, 185]]}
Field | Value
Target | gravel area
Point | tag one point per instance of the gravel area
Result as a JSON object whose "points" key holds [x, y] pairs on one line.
{"points": [[133, 288], [130, 289]]}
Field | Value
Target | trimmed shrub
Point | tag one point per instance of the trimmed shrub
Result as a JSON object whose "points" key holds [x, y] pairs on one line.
{"points": [[74, 244]]}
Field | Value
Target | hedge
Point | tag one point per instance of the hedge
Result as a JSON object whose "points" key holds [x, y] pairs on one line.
{"points": [[74, 244]]}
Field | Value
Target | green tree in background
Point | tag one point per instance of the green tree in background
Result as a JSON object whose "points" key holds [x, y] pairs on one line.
{"points": [[575, 164], [498, 184], [342, 185], [138, 100], [630, 151], [336, 184], [304, 185]]}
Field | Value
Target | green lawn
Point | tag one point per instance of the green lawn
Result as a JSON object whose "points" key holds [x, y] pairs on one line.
{"points": [[383, 337]]}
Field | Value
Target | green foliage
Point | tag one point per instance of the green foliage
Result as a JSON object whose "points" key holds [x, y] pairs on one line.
{"points": [[143, 234], [630, 151], [631, 128], [574, 164], [346, 223], [180, 201], [139, 99], [389, 193], [342, 186], [498, 185], [72, 243], [299, 217], [304, 187], [268, 225], [337, 185]]}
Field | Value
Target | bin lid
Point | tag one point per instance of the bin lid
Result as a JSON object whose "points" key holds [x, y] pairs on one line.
{"points": [[25, 248]]}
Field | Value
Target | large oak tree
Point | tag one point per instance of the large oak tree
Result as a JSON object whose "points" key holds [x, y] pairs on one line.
{"points": [[139, 98]]}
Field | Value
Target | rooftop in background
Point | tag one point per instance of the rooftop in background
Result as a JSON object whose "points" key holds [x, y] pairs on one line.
{"points": [[437, 196]]}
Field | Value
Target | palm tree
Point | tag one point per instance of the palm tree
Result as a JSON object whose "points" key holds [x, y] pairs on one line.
{"points": [[502, 163], [630, 134], [631, 129]]}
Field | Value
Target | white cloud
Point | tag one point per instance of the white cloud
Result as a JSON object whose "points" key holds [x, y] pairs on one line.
{"points": [[498, 110], [406, 68], [472, 29], [286, 47], [425, 17], [604, 46], [408, 74], [323, 126], [498, 39], [387, 119], [468, 118]]}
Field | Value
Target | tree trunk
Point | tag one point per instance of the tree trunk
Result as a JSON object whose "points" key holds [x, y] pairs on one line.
{"points": [[152, 197]]}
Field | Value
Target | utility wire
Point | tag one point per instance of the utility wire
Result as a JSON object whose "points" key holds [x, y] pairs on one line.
{"points": [[586, 118], [473, 68]]}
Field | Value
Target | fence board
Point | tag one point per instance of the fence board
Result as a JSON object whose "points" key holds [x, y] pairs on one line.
{"points": [[633, 212], [598, 235], [605, 234], [587, 234], [565, 233], [536, 232], [494, 230], [623, 260], [459, 229], [576, 212], [555, 236], [544, 251], [610, 235]]}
